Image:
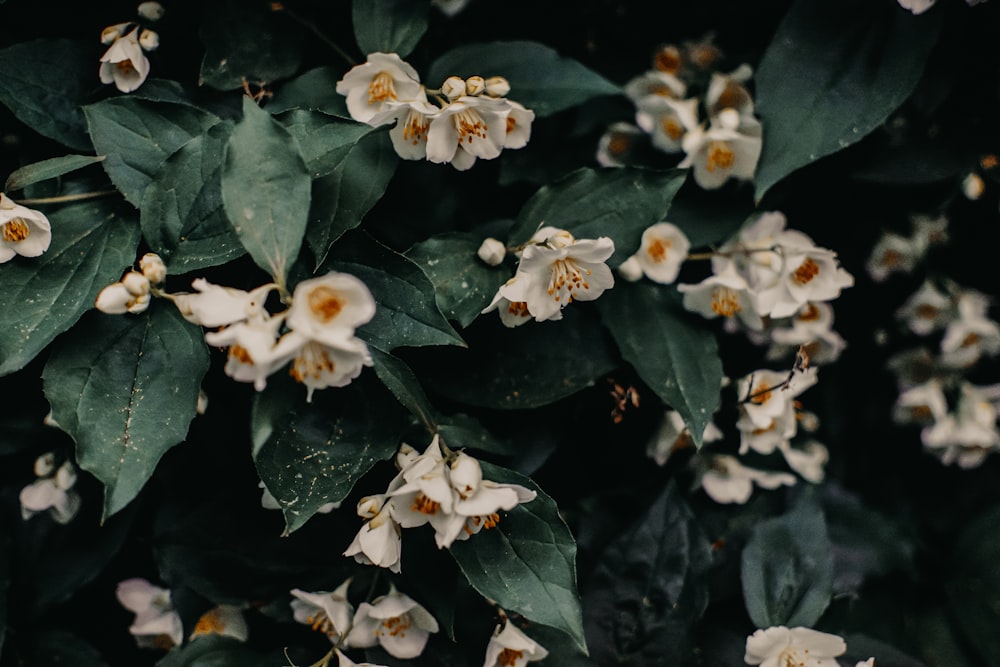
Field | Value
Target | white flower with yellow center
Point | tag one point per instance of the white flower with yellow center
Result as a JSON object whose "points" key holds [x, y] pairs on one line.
{"points": [[466, 129], [413, 120], [766, 395], [156, 624], [378, 542], [124, 64], [811, 327], [969, 434], [972, 334], [892, 253], [509, 647], [23, 231], [617, 145], [226, 620], [727, 91], [667, 121], [663, 249], [725, 294], [252, 352], [396, 622], [383, 78], [327, 612], [921, 404], [780, 646], [518, 125], [654, 84], [478, 501], [729, 148], [726, 480], [214, 306], [808, 273], [927, 309]]}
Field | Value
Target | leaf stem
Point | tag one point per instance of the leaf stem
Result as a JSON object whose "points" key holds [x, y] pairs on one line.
{"points": [[62, 199]]}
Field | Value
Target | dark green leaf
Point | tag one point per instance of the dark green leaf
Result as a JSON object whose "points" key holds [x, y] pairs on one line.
{"points": [[404, 385], [389, 26], [671, 350], [463, 285], [324, 140], [526, 564], [407, 314], [313, 90], [126, 388], [44, 82], [619, 203], [787, 568], [317, 451], [43, 296], [217, 651], [831, 75], [649, 589], [540, 78], [56, 648], [136, 136], [266, 201], [182, 215], [974, 585], [341, 200], [46, 169], [245, 42], [461, 431], [861, 647]]}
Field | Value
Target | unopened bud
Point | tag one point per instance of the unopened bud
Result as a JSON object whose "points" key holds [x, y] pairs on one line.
{"points": [[151, 11], [114, 299], [149, 40], [630, 269], [202, 405], [406, 455], [497, 86], [973, 186], [370, 506], [139, 304], [136, 283], [453, 88], [45, 464], [153, 268], [474, 85], [492, 252], [113, 32], [466, 475]]}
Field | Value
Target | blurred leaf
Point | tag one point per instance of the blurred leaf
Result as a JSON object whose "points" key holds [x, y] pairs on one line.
{"points": [[317, 451], [540, 78], [974, 585], [389, 26], [44, 82], [404, 385], [460, 431], [649, 588], [787, 567], [407, 314], [217, 651], [940, 645], [247, 42], [341, 199], [673, 352], [463, 285], [323, 140], [527, 563], [314, 90], [266, 201], [52, 168], [831, 75], [54, 648], [125, 388], [619, 203], [44, 296], [136, 136], [182, 215]]}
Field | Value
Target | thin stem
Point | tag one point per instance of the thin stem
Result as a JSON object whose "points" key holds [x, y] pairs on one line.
{"points": [[308, 25], [62, 199]]}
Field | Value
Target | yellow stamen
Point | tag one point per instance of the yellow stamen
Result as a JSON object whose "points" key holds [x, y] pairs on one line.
{"points": [[325, 302], [509, 657], [381, 88], [808, 270], [425, 505], [241, 354], [719, 156], [210, 623], [725, 302], [657, 250], [672, 128], [15, 230]]}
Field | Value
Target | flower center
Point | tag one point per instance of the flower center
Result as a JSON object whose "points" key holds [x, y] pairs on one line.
{"points": [[719, 156], [970, 339], [240, 354], [210, 623], [511, 124], [619, 144], [810, 313], [415, 128], [15, 230], [312, 362], [381, 88], [921, 412], [320, 622], [395, 626], [761, 394], [732, 97], [518, 309], [791, 658], [325, 303], [660, 89], [657, 250], [509, 657], [425, 505], [470, 124], [891, 258], [672, 128], [567, 276], [808, 270], [125, 67], [668, 60], [725, 302]]}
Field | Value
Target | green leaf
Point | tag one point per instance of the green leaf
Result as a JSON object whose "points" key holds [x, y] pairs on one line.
{"points": [[539, 77], [323, 140], [314, 90], [266, 200], [787, 567], [831, 75], [46, 169], [125, 388], [527, 563], [136, 136], [649, 588], [43, 296], [44, 82], [460, 431], [217, 651], [317, 451], [673, 352], [57, 647], [341, 199], [404, 385], [182, 215], [974, 585], [247, 42], [389, 26], [463, 285], [407, 314], [619, 203]]}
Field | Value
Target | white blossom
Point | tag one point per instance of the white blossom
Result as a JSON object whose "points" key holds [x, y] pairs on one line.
{"points": [[217, 306], [729, 148], [663, 249], [23, 231], [726, 294], [378, 541], [395, 621], [466, 129], [327, 612], [124, 64], [226, 620], [726, 480], [780, 646], [383, 78], [616, 145], [492, 252], [156, 624], [509, 647]]}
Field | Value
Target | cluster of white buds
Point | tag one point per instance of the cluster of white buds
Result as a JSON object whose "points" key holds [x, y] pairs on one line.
{"points": [[132, 294], [727, 145], [124, 63], [472, 119], [52, 491]]}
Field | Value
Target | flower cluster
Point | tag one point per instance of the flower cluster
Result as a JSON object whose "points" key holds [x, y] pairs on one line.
{"points": [[474, 120], [440, 487], [23, 231], [779, 646], [124, 63], [670, 100], [554, 269], [133, 293], [52, 491]]}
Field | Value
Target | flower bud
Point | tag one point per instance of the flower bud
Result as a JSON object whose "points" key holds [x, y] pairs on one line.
{"points": [[453, 88], [45, 464], [497, 86], [466, 475], [492, 251], [151, 11], [114, 299], [153, 268], [66, 476], [474, 85], [149, 39], [202, 406], [630, 269], [729, 119], [973, 186], [136, 283], [370, 506], [139, 304], [406, 455], [113, 32]]}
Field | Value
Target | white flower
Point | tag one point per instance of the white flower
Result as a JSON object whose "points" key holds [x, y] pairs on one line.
{"points": [[492, 252], [124, 64], [779, 646], [226, 620], [663, 249], [478, 500], [917, 6], [466, 129], [383, 78], [654, 84], [343, 660], [616, 145], [724, 294], [318, 365], [754, 250], [378, 542], [476, 85], [454, 87], [496, 86], [512, 313], [921, 404], [726, 91], [396, 621], [23, 231], [327, 612], [413, 120], [808, 460], [253, 354], [723, 151], [808, 273], [810, 327], [673, 435], [667, 121], [113, 32], [518, 126], [52, 491], [328, 309], [156, 624], [928, 231], [217, 306], [509, 647], [726, 480], [149, 40], [968, 435], [892, 253], [765, 395], [926, 309], [972, 334]]}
